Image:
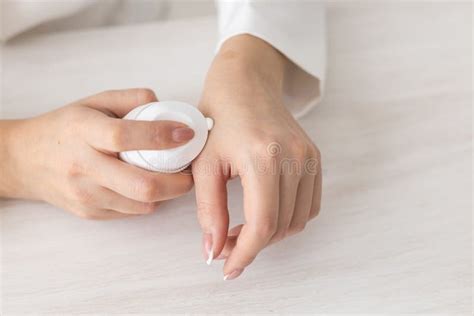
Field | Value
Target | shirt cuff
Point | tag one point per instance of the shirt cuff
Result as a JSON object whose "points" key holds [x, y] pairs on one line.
{"points": [[297, 30]]}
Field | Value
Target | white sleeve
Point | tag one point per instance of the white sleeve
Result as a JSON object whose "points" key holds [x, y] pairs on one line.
{"points": [[296, 28]]}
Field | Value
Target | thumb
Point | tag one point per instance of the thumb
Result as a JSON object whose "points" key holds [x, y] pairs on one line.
{"points": [[211, 199], [117, 135]]}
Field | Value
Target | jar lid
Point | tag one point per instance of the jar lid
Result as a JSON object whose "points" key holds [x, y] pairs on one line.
{"points": [[174, 159]]}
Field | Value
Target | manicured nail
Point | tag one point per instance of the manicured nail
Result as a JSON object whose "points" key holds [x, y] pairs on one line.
{"points": [[208, 248], [182, 134], [233, 274], [210, 257]]}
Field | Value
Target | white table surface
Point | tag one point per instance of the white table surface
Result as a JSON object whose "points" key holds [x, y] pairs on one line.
{"points": [[395, 230]]}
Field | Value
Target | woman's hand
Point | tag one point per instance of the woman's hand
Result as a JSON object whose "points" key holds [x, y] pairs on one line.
{"points": [[256, 138], [68, 157]]}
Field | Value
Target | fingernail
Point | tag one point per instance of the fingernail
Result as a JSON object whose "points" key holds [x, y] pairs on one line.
{"points": [[233, 274], [208, 248], [182, 134]]}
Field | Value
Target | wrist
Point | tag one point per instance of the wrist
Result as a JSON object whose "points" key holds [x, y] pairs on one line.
{"points": [[9, 182], [245, 72], [251, 57]]}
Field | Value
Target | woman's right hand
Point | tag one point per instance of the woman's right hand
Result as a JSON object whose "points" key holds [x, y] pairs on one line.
{"points": [[69, 157]]}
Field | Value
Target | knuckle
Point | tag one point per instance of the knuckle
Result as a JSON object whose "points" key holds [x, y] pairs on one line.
{"points": [[280, 234], [268, 146], [155, 133], [266, 229], [146, 189], [145, 95], [297, 228], [266, 154], [74, 169], [116, 135], [299, 149]]}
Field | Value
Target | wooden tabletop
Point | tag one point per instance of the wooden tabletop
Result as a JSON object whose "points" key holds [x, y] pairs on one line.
{"points": [[395, 130]]}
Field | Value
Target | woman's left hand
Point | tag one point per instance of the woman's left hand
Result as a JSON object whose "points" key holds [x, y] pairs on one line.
{"points": [[257, 139]]}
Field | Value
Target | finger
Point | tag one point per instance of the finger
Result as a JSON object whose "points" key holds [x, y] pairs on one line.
{"points": [[317, 190], [104, 214], [230, 244], [100, 214], [304, 198], [288, 189], [232, 236], [116, 202], [136, 183], [211, 200], [235, 231], [261, 201], [116, 135], [119, 102]]}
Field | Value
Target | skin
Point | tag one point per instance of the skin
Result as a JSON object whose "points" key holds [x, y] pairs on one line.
{"points": [[68, 157], [254, 138], [76, 167]]}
